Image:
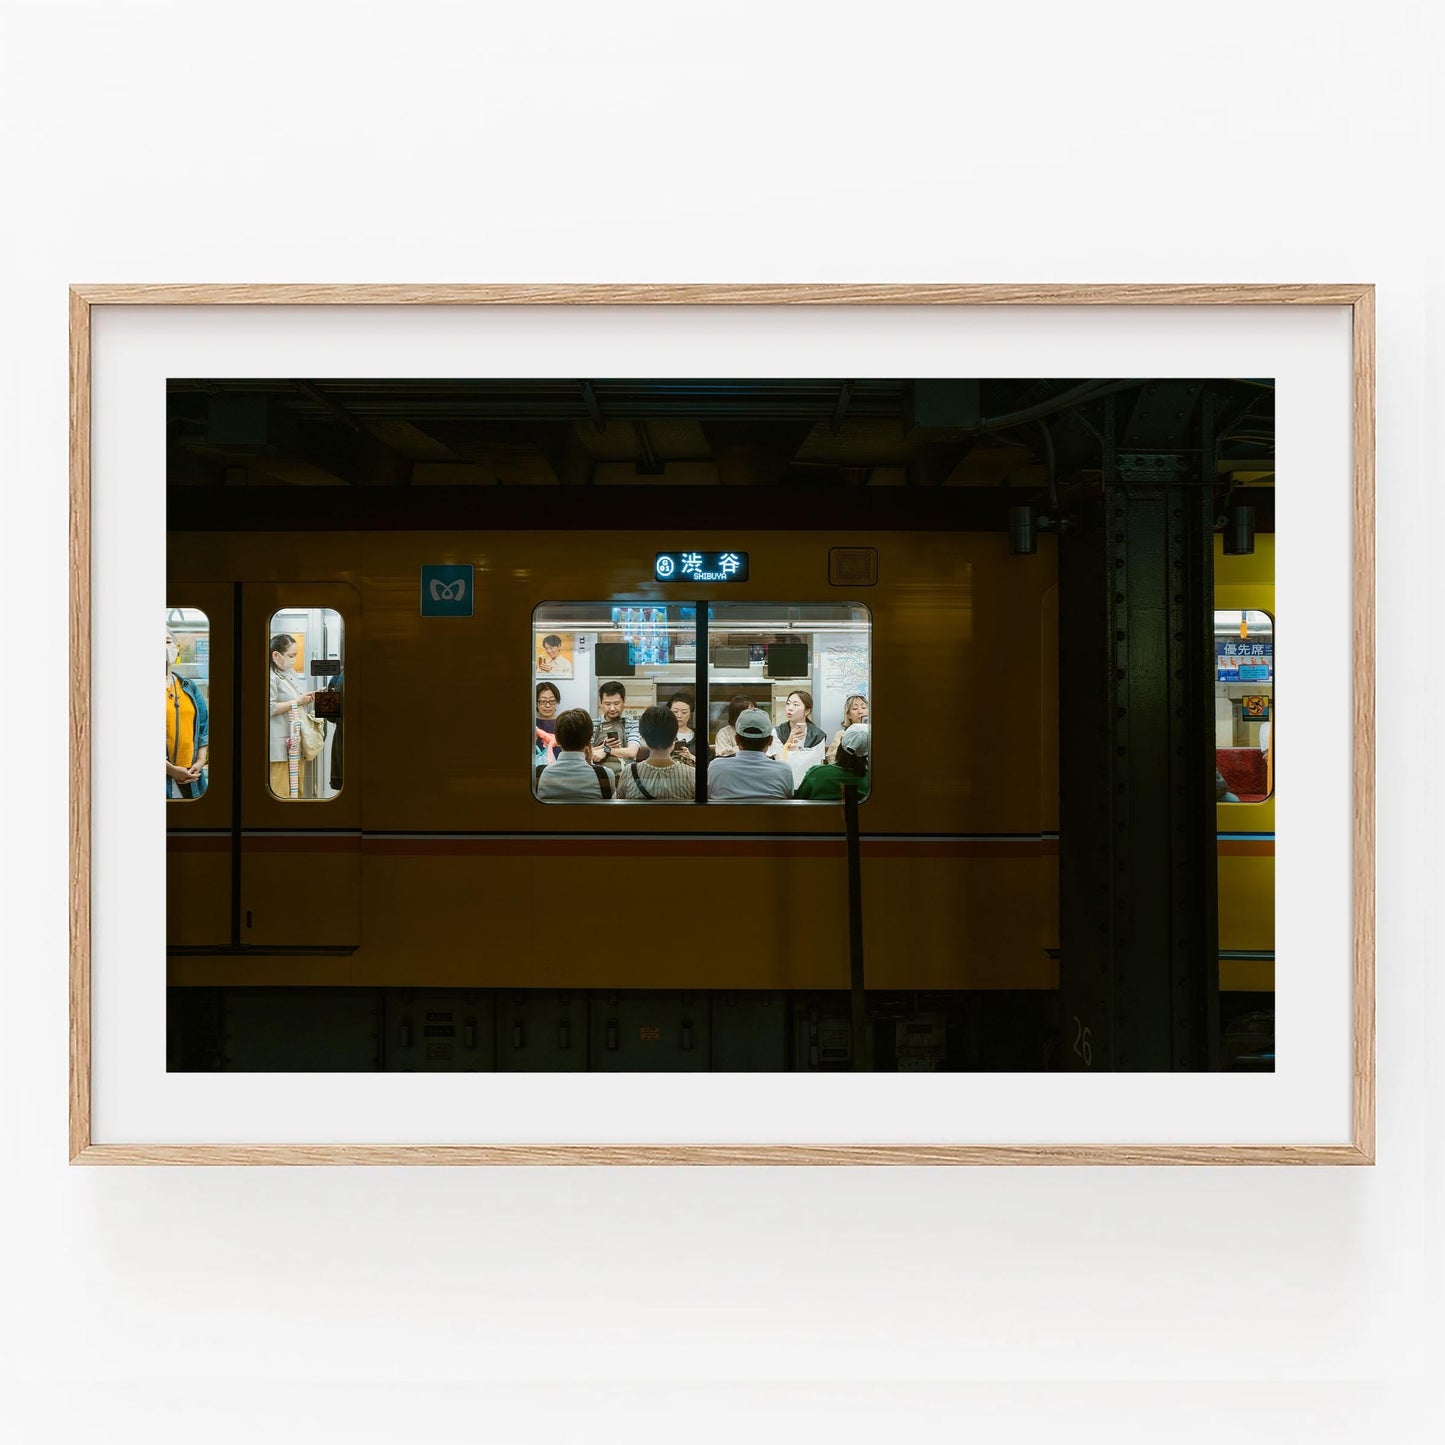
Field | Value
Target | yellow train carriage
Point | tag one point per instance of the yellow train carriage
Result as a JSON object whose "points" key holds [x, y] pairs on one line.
{"points": [[434, 864]]}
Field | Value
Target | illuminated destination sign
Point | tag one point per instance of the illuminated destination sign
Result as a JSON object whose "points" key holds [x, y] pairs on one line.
{"points": [[701, 567]]}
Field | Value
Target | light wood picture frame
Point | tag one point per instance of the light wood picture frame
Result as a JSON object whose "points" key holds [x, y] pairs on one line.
{"points": [[1359, 299]]}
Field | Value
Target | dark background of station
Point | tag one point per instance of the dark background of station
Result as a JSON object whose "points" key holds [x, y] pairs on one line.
{"points": [[809, 454], [431, 454]]}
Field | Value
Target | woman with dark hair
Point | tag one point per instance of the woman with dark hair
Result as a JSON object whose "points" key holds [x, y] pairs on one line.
{"points": [[549, 699], [825, 783], [725, 744], [798, 730], [286, 694], [661, 778], [690, 744]]}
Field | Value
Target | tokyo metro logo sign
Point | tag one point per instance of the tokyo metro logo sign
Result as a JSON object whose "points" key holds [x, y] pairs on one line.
{"points": [[446, 589]]}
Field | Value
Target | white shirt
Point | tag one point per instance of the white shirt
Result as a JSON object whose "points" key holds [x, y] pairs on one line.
{"points": [[748, 775]]}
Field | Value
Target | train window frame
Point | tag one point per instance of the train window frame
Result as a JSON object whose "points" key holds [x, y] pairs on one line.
{"points": [[198, 697], [573, 633], [1269, 683], [324, 760]]}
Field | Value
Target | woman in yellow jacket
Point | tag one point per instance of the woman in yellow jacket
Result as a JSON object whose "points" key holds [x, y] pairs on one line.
{"points": [[187, 730]]}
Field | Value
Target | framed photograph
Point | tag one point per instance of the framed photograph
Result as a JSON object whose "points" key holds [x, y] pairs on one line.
{"points": [[986, 848]]}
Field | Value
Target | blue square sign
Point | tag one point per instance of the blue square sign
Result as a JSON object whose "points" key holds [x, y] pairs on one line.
{"points": [[446, 589]]}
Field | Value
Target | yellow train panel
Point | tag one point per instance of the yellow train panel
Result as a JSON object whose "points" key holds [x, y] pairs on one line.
{"points": [[935, 923], [301, 892], [198, 891]]}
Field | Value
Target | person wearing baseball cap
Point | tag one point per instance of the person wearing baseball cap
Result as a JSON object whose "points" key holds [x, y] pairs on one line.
{"points": [[750, 775], [825, 783]]}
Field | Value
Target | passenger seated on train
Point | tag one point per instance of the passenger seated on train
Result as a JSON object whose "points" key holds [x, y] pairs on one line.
{"points": [[798, 741], [574, 777], [826, 781], [661, 778], [855, 710], [614, 737], [549, 699], [690, 744], [750, 774], [725, 744], [798, 730]]}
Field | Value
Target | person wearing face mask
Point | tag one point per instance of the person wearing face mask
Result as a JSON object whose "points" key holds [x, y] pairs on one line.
{"points": [[187, 730], [285, 694]]}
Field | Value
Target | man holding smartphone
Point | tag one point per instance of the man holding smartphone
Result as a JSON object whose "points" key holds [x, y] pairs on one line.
{"points": [[614, 735]]}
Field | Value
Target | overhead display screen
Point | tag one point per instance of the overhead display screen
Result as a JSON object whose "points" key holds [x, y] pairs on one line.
{"points": [[701, 567]]}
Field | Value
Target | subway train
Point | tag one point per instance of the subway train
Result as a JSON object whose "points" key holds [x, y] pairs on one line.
{"points": [[390, 891]]}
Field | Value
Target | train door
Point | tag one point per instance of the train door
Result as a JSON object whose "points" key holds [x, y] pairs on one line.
{"points": [[200, 785], [299, 874]]}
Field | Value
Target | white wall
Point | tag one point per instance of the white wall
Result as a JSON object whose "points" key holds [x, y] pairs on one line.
{"points": [[1115, 141]]}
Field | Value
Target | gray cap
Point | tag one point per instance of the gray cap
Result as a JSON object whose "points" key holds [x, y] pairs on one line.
{"points": [[855, 739], [753, 723]]}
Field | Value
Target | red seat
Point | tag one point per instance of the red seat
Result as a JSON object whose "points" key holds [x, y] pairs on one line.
{"points": [[1244, 771]]}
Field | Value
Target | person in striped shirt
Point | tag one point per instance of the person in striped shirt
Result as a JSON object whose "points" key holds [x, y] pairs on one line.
{"points": [[614, 738], [659, 777]]}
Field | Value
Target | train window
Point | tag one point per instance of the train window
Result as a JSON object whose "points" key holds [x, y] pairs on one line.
{"points": [[304, 703], [597, 668], [623, 707], [1243, 706], [188, 703], [805, 668]]}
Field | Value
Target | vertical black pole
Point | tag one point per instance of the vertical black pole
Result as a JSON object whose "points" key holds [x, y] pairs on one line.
{"points": [[861, 1060], [700, 703]]}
